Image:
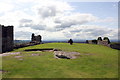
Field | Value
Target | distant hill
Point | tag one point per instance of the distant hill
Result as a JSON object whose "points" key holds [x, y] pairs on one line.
{"points": [[21, 41]]}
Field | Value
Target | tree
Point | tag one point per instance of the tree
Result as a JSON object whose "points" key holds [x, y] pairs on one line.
{"points": [[70, 41]]}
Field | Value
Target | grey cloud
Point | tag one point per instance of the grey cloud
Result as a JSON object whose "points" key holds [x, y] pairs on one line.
{"points": [[47, 11], [62, 22], [74, 31], [89, 30], [98, 32], [38, 27], [68, 23], [68, 35], [25, 21], [29, 23], [93, 32], [63, 26], [78, 35]]}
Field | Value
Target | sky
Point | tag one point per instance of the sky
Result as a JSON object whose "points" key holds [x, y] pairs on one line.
{"points": [[60, 20]]}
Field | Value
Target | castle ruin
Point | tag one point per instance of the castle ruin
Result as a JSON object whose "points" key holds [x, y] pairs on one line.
{"points": [[36, 39], [6, 38], [99, 41]]}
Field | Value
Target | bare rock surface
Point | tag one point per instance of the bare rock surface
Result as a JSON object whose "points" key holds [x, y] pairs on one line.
{"points": [[18, 56], [35, 54], [66, 55], [10, 53]]}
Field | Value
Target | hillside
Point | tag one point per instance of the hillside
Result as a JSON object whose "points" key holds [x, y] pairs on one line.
{"points": [[95, 61]]}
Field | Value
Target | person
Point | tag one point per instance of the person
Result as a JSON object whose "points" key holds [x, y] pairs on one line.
{"points": [[70, 41]]}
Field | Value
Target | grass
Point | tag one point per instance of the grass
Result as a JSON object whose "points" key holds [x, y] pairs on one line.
{"points": [[95, 61]]}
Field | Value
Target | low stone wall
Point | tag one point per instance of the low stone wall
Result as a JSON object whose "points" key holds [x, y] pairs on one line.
{"points": [[91, 41], [104, 42], [25, 45]]}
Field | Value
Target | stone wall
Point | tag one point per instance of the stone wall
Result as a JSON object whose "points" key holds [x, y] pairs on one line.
{"points": [[7, 38], [103, 42], [91, 41], [100, 42]]}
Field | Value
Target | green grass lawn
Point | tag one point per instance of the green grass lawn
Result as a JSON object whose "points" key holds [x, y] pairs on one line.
{"points": [[95, 61]]}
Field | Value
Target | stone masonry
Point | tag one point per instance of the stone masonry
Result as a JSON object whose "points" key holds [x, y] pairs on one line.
{"points": [[6, 38], [36, 38], [100, 42]]}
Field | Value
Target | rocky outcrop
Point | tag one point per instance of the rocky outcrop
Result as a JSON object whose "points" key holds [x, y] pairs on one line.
{"points": [[66, 55]]}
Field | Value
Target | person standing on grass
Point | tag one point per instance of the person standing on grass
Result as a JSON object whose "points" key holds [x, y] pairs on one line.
{"points": [[70, 41]]}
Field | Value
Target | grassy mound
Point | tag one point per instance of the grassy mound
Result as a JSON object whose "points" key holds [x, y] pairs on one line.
{"points": [[95, 61]]}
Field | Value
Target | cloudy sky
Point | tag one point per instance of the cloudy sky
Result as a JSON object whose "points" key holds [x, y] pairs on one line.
{"points": [[58, 19]]}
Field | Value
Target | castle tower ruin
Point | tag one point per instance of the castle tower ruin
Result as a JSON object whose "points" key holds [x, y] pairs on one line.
{"points": [[6, 38], [36, 38]]}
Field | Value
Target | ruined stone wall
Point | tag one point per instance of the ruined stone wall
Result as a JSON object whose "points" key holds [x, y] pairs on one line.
{"points": [[7, 38], [100, 42], [36, 38], [103, 42], [92, 41]]}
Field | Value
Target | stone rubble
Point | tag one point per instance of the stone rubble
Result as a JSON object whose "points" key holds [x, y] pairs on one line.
{"points": [[57, 54]]}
